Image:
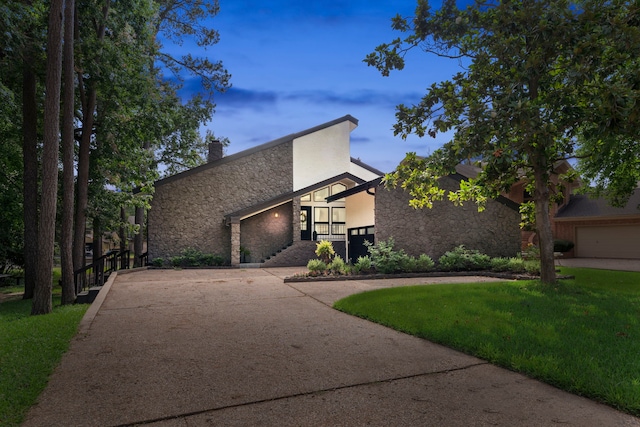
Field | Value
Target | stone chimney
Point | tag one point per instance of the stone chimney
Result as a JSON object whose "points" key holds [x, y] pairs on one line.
{"points": [[215, 151]]}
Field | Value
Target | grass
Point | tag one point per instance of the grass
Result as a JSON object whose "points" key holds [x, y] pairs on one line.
{"points": [[30, 348], [581, 335]]}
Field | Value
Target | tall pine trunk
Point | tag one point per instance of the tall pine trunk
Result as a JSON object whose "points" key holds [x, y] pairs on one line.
{"points": [[30, 175], [42, 303], [68, 146]]}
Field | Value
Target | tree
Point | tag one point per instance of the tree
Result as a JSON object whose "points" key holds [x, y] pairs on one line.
{"points": [[68, 148], [530, 72], [42, 303]]}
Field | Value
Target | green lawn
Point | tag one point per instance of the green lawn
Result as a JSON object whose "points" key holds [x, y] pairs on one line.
{"points": [[582, 335], [30, 348]]}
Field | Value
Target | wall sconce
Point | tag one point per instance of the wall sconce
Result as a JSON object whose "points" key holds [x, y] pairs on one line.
{"points": [[276, 214]]}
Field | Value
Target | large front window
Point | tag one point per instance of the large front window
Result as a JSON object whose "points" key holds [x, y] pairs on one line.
{"points": [[328, 220]]}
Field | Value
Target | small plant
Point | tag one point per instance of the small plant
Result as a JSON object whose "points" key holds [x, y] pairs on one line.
{"points": [[316, 266], [337, 266], [384, 258], [325, 251], [562, 245], [500, 264], [532, 252], [463, 259], [424, 263], [532, 267], [157, 262], [363, 264], [516, 265]]}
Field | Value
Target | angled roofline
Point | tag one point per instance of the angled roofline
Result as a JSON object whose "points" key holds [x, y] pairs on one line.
{"points": [[257, 148], [237, 216], [366, 166]]}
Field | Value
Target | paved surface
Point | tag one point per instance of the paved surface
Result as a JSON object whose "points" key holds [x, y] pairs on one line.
{"points": [[241, 348]]}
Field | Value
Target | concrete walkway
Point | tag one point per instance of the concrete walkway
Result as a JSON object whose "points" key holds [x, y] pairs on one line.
{"points": [[601, 263], [242, 348]]}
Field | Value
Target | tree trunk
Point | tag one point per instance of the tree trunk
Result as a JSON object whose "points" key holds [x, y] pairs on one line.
{"points": [[138, 239], [68, 146], [42, 303], [82, 196], [123, 235], [30, 176], [543, 229]]}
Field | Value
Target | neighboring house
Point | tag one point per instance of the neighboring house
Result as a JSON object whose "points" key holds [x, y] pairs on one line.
{"points": [[305, 187], [599, 230]]}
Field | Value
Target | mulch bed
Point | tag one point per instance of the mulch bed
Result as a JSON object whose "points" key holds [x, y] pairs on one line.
{"points": [[497, 275]]}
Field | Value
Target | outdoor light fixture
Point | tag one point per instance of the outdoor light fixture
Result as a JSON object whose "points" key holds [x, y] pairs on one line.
{"points": [[276, 214]]}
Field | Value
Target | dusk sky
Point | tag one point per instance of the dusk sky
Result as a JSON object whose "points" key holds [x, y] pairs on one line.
{"points": [[296, 64]]}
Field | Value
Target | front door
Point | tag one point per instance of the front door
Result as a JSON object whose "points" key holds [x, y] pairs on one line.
{"points": [[305, 222]]}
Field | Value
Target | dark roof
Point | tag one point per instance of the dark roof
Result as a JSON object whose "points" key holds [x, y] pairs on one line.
{"points": [[581, 205], [255, 149], [284, 198]]}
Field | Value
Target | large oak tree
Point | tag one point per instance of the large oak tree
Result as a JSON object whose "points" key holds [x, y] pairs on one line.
{"points": [[531, 73]]}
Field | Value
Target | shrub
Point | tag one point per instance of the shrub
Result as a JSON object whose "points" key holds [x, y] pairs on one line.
{"points": [[425, 263], [362, 265], [157, 262], [562, 245], [324, 250], [337, 266], [194, 258], [516, 265], [532, 267], [316, 266], [463, 259], [500, 264], [384, 258], [532, 252]]}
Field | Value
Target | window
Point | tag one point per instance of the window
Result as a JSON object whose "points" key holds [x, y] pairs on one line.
{"points": [[306, 198], [338, 188], [338, 220], [321, 195], [321, 216]]}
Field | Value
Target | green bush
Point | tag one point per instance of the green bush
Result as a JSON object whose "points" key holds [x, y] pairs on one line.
{"points": [[516, 265], [463, 259], [562, 245], [157, 262], [384, 258], [324, 250], [194, 258], [532, 267], [425, 263], [337, 266], [316, 266], [363, 264], [500, 264]]}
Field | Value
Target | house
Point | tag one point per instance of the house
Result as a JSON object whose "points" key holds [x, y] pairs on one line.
{"points": [[262, 199], [599, 230], [274, 201]]}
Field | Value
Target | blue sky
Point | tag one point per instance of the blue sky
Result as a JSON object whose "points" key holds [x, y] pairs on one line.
{"points": [[296, 64]]}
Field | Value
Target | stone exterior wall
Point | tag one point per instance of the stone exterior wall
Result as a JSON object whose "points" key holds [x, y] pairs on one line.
{"points": [[495, 231], [264, 234], [189, 210]]}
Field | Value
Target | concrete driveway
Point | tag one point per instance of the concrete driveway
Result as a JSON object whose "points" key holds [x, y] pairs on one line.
{"points": [[242, 348]]}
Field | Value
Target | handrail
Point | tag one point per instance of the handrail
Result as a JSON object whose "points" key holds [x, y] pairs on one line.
{"points": [[94, 274]]}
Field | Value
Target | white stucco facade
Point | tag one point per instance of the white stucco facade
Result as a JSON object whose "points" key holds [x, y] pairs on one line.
{"points": [[322, 154]]}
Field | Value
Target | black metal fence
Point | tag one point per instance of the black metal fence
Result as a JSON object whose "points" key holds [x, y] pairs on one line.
{"points": [[98, 271]]}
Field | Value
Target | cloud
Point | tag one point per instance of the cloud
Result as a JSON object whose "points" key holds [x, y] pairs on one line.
{"points": [[246, 99]]}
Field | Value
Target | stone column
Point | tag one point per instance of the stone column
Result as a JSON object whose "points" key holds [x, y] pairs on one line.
{"points": [[296, 219], [235, 243]]}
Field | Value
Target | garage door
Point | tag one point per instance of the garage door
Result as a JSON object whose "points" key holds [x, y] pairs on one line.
{"points": [[621, 241]]}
